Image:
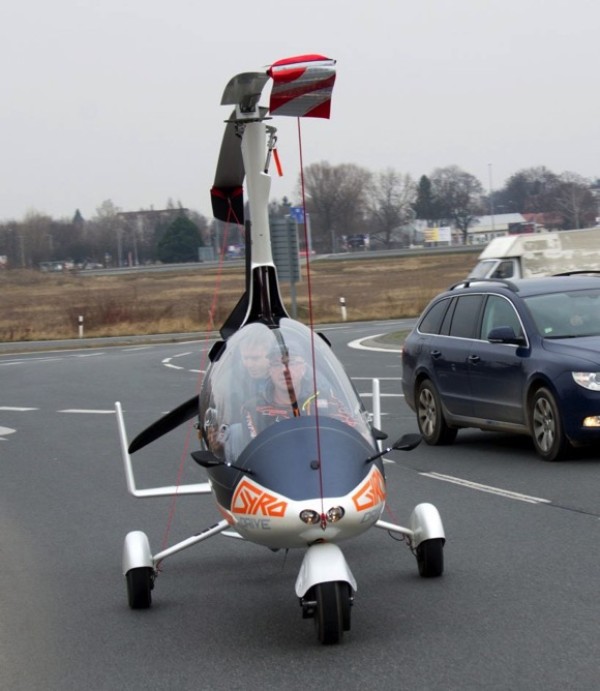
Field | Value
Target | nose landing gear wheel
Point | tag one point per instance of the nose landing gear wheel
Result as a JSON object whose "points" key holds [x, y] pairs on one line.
{"points": [[333, 611]]}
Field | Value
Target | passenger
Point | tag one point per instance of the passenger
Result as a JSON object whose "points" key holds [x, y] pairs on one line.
{"points": [[585, 323]]}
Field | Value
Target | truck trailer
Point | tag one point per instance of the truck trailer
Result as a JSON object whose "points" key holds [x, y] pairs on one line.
{"points": [[540, 254]]}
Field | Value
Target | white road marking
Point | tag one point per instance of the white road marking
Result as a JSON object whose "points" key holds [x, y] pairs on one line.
{"points": [[85, 411], [167, 361], [16, 409], [382, 395], [34, 360], [380, 378], [5, 431], [487, 488], [358, 344]]}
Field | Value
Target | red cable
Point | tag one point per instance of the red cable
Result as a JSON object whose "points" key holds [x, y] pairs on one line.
{"points": [[204, 355], [311, 324]]}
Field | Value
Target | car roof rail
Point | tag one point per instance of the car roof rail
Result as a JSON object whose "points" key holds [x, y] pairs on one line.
{"points": [[580, 272], [468, 282]]}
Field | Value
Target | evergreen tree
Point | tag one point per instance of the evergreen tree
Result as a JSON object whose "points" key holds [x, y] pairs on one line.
{"points": [[425, 207], [180, 242]]}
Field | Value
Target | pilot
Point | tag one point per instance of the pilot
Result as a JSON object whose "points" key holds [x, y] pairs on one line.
{"points": [[250, 373], [254, 355], [289, 392]]}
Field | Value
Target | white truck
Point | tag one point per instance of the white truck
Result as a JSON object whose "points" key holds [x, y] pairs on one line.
{"points": [[540, 254]]}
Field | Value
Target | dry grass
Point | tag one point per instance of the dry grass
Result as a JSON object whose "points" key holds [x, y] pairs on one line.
{"points": [[38, 306]]}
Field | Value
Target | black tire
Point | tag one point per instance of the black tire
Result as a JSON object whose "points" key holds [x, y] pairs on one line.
{"points": [[430, 558], [430, 417], [330, 612], [547, 432], [139, 587], [346, 593]]}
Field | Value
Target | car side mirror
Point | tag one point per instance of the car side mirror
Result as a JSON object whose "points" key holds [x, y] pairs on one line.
{"points": [[504, 334]]}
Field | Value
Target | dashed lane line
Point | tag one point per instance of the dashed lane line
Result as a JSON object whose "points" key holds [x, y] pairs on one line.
{"points": [[28, 361], [487, 488]]}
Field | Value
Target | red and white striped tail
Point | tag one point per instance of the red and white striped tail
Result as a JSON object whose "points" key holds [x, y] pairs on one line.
{"points": [[302, 86]]}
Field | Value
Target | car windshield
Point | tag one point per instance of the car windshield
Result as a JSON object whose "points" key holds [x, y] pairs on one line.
{"points": [[568, 314], [482, 269]]}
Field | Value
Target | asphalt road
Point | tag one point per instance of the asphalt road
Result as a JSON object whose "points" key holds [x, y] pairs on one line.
{"points": [[517, 607]]}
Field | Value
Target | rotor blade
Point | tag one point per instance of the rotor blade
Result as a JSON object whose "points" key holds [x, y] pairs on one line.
{"points": [[184, 412]]}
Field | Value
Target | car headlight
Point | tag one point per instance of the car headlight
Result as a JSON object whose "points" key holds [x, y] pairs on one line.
{"points": [[589, 380]]}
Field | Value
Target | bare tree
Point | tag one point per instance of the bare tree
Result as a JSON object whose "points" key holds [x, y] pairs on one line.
{"points": [[530, 190], [392, 196], [575, 201], [458, 195], [336, 198], [108, 229], [42, 239]]}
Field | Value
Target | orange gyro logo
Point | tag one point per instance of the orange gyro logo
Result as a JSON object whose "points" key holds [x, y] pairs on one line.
{"points": [[250, 499], [371, 493]]}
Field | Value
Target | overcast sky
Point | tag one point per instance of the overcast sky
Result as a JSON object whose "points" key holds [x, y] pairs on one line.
{"points": [[119, 99]]}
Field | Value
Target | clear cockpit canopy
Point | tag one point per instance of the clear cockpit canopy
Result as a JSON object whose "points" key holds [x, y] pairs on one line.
{"points": [[263, 375]]}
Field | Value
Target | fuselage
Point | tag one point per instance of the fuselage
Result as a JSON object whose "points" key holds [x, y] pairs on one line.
{"points": [[294, 445]]}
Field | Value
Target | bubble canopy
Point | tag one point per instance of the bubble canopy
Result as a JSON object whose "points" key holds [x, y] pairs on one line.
{"points": [[266, 374]]}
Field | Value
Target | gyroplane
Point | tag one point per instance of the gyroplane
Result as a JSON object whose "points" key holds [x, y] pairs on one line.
{"points": [[292, 457]]}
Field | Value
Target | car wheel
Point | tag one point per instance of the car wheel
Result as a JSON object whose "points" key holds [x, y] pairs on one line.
{"points": [[546, 427], [430, 417]]}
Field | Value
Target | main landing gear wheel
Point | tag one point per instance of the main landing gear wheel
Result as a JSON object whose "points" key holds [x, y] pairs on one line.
{"points": [[333, 611], [139, 587], [430, 558]]}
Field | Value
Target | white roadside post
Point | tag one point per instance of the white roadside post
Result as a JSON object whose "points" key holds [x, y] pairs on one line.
{"points": [[377, 407]]}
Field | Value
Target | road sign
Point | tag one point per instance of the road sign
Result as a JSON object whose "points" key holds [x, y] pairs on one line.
{"points": [[297, 213]]}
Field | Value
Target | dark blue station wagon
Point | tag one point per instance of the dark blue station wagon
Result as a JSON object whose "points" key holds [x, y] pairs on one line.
{"points": [[516, 356]]}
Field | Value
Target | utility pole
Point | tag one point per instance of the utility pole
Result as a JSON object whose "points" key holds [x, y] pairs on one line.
{"points": [[491, 197]]}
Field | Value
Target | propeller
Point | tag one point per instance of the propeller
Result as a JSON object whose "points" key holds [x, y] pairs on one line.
{"points": [[184, 412]]}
